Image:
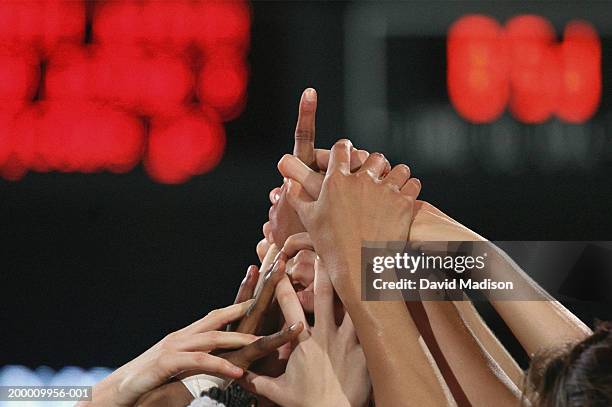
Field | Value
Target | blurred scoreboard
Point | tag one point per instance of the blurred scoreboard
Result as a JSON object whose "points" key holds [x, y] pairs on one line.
{"points": [[476, 86]]}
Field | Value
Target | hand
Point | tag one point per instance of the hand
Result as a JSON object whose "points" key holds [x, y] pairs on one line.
{"points": [[184, 350], [284, 222], [300, 267], [327, 368], [429, 222], [352, 208]]}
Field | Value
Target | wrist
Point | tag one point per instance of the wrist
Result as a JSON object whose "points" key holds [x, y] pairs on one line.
{"points": [[104, 393]]}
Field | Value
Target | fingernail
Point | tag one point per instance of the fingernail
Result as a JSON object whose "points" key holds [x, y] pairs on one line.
{"points": [[236, 370], [276, 197], [293, 327], [270, 270], [281, 256], [310, 95]]}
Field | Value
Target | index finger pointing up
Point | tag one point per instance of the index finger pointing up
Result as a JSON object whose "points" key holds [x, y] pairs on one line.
{"points": [[303, 147]]}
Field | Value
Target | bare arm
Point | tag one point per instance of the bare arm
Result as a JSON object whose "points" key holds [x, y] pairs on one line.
{"points": [[397, 359], [482, 379], [537, 324]]}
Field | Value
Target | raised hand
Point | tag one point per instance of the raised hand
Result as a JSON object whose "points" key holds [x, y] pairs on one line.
{"points": [[283, 220], [355, 207]]}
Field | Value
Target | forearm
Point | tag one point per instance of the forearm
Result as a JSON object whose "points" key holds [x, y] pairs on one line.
{"points": [[481, 378], [489, 342], [397, 359], [540, 323], [105, 392]]}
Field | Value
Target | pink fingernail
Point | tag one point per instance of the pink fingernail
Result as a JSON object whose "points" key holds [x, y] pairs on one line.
{"points": [[310, 95]]}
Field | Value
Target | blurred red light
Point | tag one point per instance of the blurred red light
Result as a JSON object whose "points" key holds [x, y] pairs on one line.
{"points": [[19, 76], [523, 66], [580, 56], [183, 147], [41, 22], [143, 61], [222, 24], [222, 86], [477, 68], [533, 76], [117, 22]]}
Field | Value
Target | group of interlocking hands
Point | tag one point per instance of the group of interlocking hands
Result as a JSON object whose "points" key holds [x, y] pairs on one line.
{"points": [[299, 333]]}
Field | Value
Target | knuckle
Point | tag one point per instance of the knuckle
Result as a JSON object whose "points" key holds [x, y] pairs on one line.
{"points": [[202, 358], [214, 314], [343, 143], [213, 336], [304, 256], [304, 134], [403, 169]]}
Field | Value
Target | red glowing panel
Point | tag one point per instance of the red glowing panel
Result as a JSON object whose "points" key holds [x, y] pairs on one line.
{"points": [[185, 146], [222, 24], [477, 68], [41, 22], [533, 76], [580, 90], [523, 66], [68, 105]]}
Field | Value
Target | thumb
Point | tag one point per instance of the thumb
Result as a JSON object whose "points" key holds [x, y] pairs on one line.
{"points": [[299, 199], [291, 167]]}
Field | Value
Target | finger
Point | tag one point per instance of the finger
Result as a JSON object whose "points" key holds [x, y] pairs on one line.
{"points": [[266, 263], [323, 299], [247, 286], [245, 291], [211, 340], [398, 176], [412, 187], [306, 298], [303, 147], [347, 328], [302, 270], [267, 231], [340, 157], [358, 157], [174, 363], [219, 317], [275, 195], [299, 200], [255, 315], [297, 242], [263, 346], [375, 165], [262, 248], [265, 386], [290, 167], [290, 306]]}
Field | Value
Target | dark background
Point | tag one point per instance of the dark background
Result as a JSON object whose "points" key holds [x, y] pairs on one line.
{"points": [[96, 268]]}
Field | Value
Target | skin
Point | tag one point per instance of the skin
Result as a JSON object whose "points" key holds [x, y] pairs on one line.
{"points": [[332, 351], [284, 222], [356, 207], [176, 394], [536, 324], [183, 350]]}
